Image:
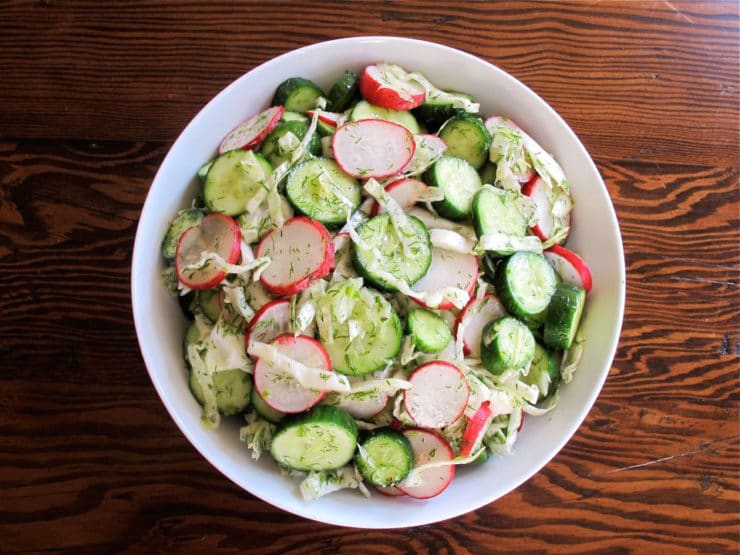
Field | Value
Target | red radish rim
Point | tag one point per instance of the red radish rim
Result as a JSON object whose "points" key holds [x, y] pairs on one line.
{"points": [[464, 311], [578, 264], [258, 317], [392, 170], [448, 305], [330, 118], [374, 91], [321, 270], [529, 190], [424, 367], [443, 443], [474, 427], [258, 137], [394, 185], [290, 338], [232, 257]]}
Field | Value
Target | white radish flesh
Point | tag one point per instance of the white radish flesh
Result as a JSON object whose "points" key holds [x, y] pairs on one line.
{"points": [[300, 252], [448, 269], [388, 87], [251, 132], [271, 321], [406, 192], [438, 394], [372, 148], [569, 266], [428, 447], [545, 224], [216, 233], [279, 389], [474, 317]]}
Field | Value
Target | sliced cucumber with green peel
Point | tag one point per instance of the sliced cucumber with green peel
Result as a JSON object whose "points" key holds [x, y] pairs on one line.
{"points": [[564, 315], [265, 410], [294, 116], [544, 372], [525, 283], [379, 338], [203, 170], [382, 249], [210, 303], [435, 111], [297, 94], [324, 438], [232, 389], [499, 211], [232, 180], [506, 344], [278, 146], [364, 110], [184, 220], [343, 92], [321, 190], [466, 137], [459, 181], [430, 332], [385, 457]]}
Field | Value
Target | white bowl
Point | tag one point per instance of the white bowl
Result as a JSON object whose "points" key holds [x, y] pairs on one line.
{"points": [[160, 324]]}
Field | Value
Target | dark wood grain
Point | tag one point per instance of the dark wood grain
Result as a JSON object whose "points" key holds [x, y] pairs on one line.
{"points": [[92, 95]]}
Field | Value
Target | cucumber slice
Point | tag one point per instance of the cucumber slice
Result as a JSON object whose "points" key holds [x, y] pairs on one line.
{"points": [[232, 388], [435, 111], [184, 219], [192, 335], [210, 303], [379, 339], [343, 92], [563, 315], [381, 247], [233, 178], [278, 146], [525, 283], [265, 410], [544, 372], [460, 183], [318, 188], [498, 211], [293, 116], [364, 110], [506, 344], [429, 331], [297, 94], [203, 171], [385, 457], [323, 438], [488, 173], [467, 137]]}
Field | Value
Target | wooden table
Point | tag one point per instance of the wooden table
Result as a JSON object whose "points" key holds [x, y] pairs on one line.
{"points": [[93, 93]]}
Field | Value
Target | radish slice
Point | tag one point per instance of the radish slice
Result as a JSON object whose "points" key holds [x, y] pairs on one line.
{"points": [[271, 321], [383, 87], [428, 149], [365, 407], [428, 446], [217, 233], [438, 394], [495, 122], [476, 429], [569, 266], [390, 491], [474, 317], [372, 148], [331, 118], [448, 269], [280, 390], [536, 190], [301, 251], [250, 133], [406, 192]]}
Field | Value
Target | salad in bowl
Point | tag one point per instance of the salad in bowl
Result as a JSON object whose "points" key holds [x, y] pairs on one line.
{"points": [[377, 287]]}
